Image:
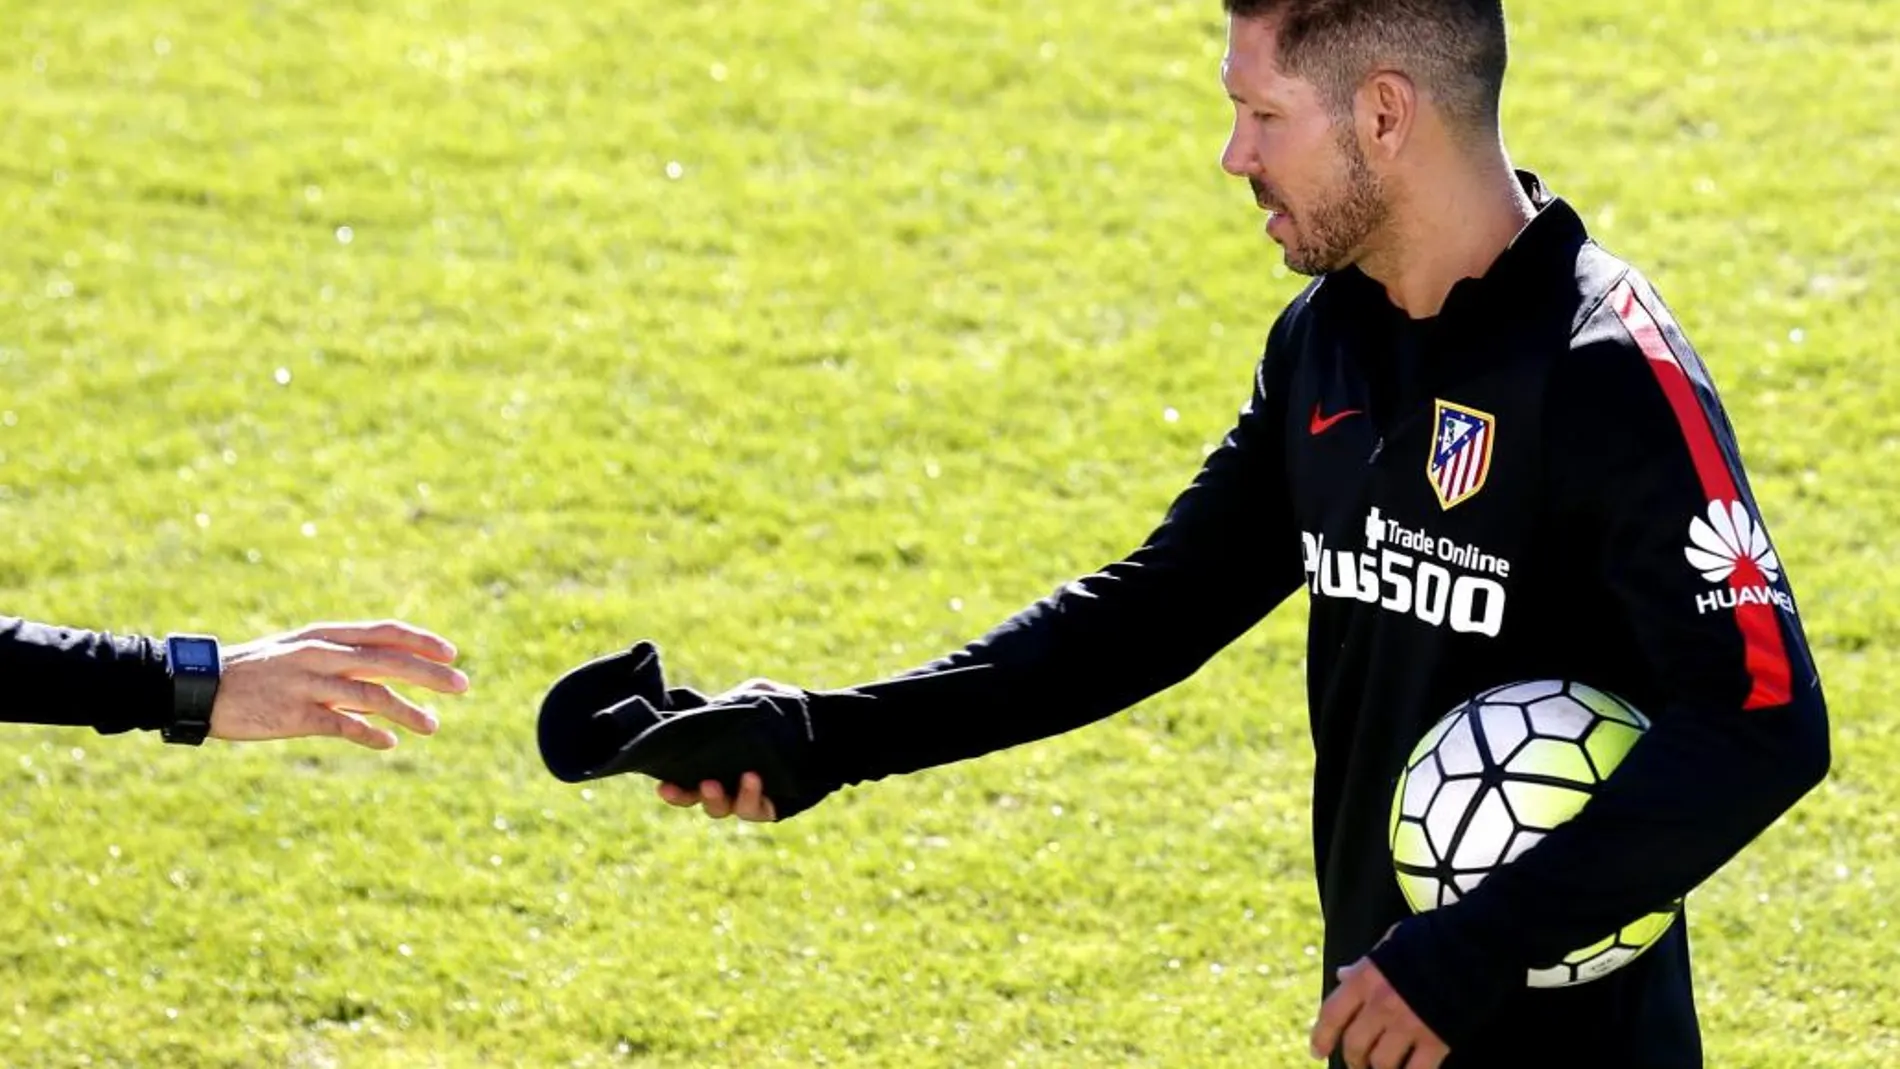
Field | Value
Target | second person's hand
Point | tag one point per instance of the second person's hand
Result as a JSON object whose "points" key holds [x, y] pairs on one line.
{"points": [[317, 682]]}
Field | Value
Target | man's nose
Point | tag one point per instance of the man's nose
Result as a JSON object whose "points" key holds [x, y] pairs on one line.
{"points": [[1239, 158]]}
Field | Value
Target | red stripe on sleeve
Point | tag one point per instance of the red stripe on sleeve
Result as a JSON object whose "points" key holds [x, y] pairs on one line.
{"points": [[1766, 654]]}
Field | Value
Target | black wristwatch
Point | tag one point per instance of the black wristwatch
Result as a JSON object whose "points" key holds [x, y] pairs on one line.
{"points": [[194, 664]]}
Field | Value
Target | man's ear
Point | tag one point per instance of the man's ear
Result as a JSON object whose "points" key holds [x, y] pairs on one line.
{"points": [[1385, 111]]}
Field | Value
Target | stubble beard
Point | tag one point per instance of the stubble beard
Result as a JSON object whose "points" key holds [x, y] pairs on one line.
{"points": [[1333, 235]]}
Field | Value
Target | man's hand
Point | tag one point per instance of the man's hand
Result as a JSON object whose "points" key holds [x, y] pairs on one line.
{"points": [[751, 804], [316, 681], [1372, 1026]]}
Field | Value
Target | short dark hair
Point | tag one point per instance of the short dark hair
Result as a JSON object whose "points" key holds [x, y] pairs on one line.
{"points": [[1454, 49]]}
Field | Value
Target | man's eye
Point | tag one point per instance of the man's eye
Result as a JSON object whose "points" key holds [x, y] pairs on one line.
{"points": [[1262, 116]]}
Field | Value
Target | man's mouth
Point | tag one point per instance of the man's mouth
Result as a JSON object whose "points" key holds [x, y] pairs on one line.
{"points": [[1266, 203]]}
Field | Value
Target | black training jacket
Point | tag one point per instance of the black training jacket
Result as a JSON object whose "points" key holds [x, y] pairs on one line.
{"points": [[1517, 488]]}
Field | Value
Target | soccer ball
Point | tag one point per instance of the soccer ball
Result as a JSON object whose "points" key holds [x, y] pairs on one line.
{"points": [[1491, 778]]}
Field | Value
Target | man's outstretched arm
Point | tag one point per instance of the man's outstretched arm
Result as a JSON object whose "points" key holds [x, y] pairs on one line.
{"points": [[1226, 553]]}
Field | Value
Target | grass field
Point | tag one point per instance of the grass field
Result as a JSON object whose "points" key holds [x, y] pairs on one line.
{"points": [[808, 339]]}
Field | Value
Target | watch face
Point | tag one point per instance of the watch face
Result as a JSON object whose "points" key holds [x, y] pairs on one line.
{"points": [[201, 656]]}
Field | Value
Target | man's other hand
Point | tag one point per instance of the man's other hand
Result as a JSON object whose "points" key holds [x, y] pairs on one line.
{"points": [[1372, 1027]]}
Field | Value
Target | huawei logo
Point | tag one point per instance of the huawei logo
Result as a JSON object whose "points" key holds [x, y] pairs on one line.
{"points": [[1719, 544]]}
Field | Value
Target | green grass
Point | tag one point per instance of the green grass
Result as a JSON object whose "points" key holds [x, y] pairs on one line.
{"points": [[808, 339]]}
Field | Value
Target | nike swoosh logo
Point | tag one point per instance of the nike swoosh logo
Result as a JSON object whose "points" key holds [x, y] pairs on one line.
{"points": [[1320, 426]]}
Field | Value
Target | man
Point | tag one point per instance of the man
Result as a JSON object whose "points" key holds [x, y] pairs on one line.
{"points": [[1485, 449], [314, 681]]}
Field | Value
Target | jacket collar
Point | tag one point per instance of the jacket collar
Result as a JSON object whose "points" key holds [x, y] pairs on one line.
{"points": [[1533, 270]]}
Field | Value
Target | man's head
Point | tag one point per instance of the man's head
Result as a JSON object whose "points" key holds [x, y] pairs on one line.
{"points": [[1327, 95]]}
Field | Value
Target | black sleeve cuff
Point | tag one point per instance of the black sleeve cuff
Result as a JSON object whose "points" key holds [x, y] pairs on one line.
{"points": [[139, 695], [1449, 982], [71, 677]]}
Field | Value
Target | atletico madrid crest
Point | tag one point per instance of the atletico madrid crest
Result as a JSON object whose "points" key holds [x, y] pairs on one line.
{"points": [[1461, 452]]}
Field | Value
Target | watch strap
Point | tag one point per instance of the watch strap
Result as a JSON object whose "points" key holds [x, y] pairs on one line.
{"points": [[195, 665]]}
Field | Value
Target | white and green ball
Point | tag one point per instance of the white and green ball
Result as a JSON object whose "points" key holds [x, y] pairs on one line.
{"points": [[1488, 781]]}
